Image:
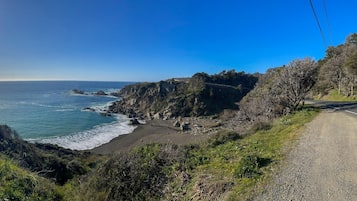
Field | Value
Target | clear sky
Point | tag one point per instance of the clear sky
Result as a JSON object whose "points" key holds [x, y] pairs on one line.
{"points": [[151, 40]]}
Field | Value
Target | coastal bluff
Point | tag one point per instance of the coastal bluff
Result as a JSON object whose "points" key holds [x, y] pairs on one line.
{"points": [[202, 94]]}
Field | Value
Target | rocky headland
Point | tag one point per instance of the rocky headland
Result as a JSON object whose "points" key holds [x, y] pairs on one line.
{"points": [[200, 95]]}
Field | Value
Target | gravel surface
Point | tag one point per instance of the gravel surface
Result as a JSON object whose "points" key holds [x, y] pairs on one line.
{"points": [[323, 165]]}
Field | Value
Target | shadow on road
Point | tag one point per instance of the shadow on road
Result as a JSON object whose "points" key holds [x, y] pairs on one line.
{"points": [[336, 106]]}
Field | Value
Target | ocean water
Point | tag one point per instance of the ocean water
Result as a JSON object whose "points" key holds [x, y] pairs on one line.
{"points": [[49, 112]]}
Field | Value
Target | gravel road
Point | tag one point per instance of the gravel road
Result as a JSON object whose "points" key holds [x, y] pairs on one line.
{"points": [[323, 165]]}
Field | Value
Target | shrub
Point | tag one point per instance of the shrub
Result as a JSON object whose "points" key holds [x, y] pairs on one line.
{"points": [[248, 167], [140, 174], [223, 137]]}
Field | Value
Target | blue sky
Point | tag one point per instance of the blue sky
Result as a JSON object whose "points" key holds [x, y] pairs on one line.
{"points": [[148, 40]]}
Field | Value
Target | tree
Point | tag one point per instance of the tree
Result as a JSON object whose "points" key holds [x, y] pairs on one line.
{"points": [[295, 81], [352, 38], [351, 65], [338, 68], [279, 91]]}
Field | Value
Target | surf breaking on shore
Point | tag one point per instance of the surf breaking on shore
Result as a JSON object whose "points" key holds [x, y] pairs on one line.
{"points": [[92, 138], [96, 136]]}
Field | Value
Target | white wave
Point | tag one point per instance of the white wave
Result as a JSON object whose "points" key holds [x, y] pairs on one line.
{"points": [[102, 107], [93, 93], [40, 104], [111, 90], [92, 138], [65, 110]]}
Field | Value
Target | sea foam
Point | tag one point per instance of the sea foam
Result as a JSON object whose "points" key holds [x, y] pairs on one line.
{"points": [[92, 138]]}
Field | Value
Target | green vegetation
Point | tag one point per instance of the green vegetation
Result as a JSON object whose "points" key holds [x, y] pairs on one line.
{"points": [[338, 72], [246, 162], [48, 160], [228, 166], [334, 96], [140, 174], [19, 184]]}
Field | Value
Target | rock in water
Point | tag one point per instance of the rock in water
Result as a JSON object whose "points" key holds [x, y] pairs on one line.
{"points": [[134, 122], [100, 93], [77, 91]]}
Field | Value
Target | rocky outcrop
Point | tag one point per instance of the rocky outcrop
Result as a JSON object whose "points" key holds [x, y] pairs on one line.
{"points": [[100, 93], [200, 95], [134, 122], [77, 91]]}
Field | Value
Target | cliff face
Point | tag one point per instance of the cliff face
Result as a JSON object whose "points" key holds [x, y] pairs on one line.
{"points": [[200, 95]]}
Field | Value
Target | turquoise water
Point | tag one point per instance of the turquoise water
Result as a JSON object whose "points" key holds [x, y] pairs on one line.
{"points": [[48, 111]]}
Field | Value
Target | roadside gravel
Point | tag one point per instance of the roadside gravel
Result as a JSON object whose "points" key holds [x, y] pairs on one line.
{"points": [[323, 165]]}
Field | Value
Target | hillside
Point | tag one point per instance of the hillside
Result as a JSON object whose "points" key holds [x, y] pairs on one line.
{"points": [[200, 95], [49, 161], [230, 165], [337, 77]]}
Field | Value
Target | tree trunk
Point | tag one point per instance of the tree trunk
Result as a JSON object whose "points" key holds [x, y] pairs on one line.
{"points": [[352, 89], [339, 83]]}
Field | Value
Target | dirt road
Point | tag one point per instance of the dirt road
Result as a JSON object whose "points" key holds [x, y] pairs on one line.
{"points": [[323, 165]]}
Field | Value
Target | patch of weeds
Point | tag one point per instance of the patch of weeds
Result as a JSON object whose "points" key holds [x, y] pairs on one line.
{"points": [[285, 121], [249, 166], [261, 126], [223, 137]]}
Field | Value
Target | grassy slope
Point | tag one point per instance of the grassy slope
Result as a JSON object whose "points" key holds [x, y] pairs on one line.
{"points": [[227, 167], [248, 163], [334, 96], [19, 184]]}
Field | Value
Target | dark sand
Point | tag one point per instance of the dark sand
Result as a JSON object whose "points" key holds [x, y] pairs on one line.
{"points": [[155, 131]]}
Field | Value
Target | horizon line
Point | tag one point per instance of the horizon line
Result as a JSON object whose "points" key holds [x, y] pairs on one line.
{"points": [[59, 80]]}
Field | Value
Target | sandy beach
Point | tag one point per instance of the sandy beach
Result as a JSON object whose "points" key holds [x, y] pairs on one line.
{"points": [[154, 131]]}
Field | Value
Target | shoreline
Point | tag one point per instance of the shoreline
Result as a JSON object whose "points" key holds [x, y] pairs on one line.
{"points": [[154, 131]]}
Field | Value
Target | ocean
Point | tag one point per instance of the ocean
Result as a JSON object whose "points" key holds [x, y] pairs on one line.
{"points": [[49, 112]]}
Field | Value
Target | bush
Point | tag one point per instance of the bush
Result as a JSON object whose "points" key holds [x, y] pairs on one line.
{"points": [[19, 184], [140, 174], [223, 137], [248, 167]]}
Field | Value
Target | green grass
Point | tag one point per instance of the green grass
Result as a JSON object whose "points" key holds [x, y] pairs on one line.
{"points": [[226, 167], [334, 96], [19, 184], [250, 161]]}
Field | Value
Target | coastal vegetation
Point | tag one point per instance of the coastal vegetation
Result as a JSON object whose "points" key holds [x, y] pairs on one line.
{"points": [[230, 165], [337, 76]]}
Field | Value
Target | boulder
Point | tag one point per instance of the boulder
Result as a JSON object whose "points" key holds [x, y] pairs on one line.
{"points": [[149, 116], [100, 93], [184, 126], [158, 116], [134, 122], [89, 109], [105, 114], [116, 94], [77, 91], [132, 101], [176, 124]]}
